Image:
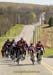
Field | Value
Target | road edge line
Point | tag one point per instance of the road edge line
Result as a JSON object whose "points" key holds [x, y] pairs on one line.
{"points": [[48, 67]]}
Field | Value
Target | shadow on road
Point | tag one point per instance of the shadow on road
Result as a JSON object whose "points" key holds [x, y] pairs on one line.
{"points": [[16, 64], [50, 56], [11, 63], [20, 64]]}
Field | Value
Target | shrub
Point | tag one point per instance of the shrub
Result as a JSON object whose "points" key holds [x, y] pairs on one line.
{"points": [[50, 21]]}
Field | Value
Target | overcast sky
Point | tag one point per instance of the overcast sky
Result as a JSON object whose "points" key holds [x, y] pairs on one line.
{"points": [[46, 2]]}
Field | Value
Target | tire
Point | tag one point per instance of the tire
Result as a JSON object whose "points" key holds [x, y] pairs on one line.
{"points": [[33, 61], [17, 61], [39, 59]]}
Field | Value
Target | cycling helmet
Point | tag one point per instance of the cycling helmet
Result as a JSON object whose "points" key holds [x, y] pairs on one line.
{"points": [[31, 44]]}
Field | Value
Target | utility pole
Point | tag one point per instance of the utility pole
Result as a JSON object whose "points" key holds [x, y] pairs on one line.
{"points": [[33, 36]]}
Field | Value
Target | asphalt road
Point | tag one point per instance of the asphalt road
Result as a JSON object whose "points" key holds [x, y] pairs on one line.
{"points": [[9, 67], [26, 34]]}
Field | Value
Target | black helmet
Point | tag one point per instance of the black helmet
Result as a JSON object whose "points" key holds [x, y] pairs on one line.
{"points": [[21, 38], [39, 41], [31, 44], [8, 40]]}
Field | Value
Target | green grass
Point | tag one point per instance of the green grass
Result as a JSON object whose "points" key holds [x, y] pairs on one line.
{"points": [[13, 32], [48, 52]]}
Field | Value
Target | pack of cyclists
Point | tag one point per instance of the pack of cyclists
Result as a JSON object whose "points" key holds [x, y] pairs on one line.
{"points": [[18, 50]]}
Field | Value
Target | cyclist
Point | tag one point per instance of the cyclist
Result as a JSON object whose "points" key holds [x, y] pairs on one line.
{"points": [[31, 52], [39, 49]]}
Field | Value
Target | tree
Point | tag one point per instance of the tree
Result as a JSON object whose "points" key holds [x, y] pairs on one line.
{"points": [[50, 21]]}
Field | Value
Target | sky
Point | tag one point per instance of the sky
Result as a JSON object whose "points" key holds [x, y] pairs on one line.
{"points": [[42, 2]]}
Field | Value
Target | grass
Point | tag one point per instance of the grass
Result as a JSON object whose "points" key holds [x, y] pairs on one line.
{"points": [[13, 32], [48, 52]]}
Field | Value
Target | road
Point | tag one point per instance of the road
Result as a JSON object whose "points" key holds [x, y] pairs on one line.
{"points": [[26, 33], [9, 67]]}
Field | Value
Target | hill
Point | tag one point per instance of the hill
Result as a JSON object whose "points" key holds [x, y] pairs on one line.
{"points": [[20, 13]]}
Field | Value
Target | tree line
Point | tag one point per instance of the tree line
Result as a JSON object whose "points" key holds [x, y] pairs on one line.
{"points": [[10, 16]]}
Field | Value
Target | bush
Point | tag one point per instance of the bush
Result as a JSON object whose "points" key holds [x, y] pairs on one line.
{"points": [[50, 21]]}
